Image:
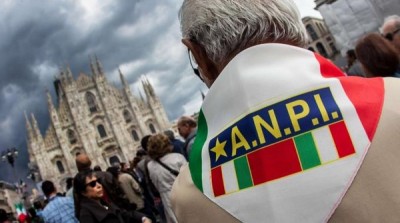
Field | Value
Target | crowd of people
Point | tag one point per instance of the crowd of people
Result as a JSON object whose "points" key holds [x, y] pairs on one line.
{"points": [[377, 54], [137, 191], [247, 177]]}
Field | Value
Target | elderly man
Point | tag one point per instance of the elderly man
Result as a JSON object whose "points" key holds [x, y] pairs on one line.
{"points": [[391, 30], [187, 128], [283, 135]]}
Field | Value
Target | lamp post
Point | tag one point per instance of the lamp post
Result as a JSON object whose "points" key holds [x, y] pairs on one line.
{"points": [[9, 156]]}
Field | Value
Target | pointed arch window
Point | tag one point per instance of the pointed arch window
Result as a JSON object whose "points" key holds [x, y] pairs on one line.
{"points": [[135, 136], [71, 137], [152, 129], [102, 131], [311, 32], [60, 167], [127, 116], [91, 101]]}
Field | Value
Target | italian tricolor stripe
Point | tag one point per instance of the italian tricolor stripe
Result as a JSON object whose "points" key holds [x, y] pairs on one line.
{"points": [[293, 155]]}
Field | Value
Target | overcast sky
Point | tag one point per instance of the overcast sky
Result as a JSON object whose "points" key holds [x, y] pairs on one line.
{"points": [[142, 37]]}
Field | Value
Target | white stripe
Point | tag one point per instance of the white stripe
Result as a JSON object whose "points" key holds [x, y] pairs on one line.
{"points": [[325, 144], [230, 179]]}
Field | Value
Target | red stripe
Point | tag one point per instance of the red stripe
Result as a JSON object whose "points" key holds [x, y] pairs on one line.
{"points": [[217, 181], [342, 139], [366, 94], [273, 162]]}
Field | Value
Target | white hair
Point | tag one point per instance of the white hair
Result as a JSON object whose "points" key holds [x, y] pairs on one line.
{"points": [[226, 27], [391, 18]]}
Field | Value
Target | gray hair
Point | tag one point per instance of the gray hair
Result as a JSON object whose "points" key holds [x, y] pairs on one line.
{"points": [[225, 27], [391, 18]]}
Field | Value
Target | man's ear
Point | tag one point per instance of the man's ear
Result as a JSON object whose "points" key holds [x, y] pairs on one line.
{"points": [[208, 69]]}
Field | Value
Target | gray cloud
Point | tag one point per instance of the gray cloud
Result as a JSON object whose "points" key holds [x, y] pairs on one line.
{"points": [[140, 36]]}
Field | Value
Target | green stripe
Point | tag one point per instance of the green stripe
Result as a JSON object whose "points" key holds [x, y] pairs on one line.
{"points": [[195, 159], [243, 172], [307, 151]]}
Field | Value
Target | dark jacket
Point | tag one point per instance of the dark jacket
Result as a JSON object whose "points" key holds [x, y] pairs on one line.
{"points": [[91, 212]]}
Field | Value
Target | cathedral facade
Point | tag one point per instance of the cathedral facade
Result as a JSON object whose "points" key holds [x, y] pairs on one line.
{"points": [[92, 117]]}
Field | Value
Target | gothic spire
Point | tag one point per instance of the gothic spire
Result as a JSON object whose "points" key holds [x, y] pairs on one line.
{"points": [[94, 72], [35, 126], [69, 74], [99, 66], [49, 100], [123, 80], [28, 126]]}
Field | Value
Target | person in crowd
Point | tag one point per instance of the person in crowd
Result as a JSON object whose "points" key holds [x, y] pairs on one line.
{"points": [[33, 216], [353, 67], [38, 205], [69, 188], [90, 207], [163, 169], [83, 162], [179, 146], [391, 30], [4, 216], [59, 209], [97, 168], [187, 128], [378, 56], [151, 195], [269, 101]]}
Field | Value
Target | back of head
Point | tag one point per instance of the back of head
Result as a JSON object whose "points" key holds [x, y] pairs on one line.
{"points": [[170, 134], [158, 146], [3, 215], [377, 55], [48, 188], [186, 120], [144, 141], [351, 54], [97, 168], [82, 162], [225, 28], [391, 20]]}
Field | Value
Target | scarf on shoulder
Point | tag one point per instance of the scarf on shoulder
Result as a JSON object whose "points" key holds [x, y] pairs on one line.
{"points": [[282, 134]]}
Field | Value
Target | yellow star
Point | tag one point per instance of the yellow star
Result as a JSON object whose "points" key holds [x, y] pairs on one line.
{"points": [[219, 149]]}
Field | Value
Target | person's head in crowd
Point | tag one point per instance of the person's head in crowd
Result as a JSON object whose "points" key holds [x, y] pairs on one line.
{"points": [[124, 167], [170, 134], [377, 56], [32, 213], [214, 39], [391, 30], [143, 142], [97, 168], [69, 182], [38, 205], [114, 170], [140, 153], [83, 162], [158, 146], [3, 216], [86, 185], [135, 162], [48, 188], [186, 125], [351, 57]]}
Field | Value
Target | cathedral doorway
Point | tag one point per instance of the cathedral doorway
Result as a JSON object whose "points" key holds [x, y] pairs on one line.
{"points": [[113, 154]]}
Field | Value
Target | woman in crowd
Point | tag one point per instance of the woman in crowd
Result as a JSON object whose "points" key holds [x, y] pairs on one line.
{"points": [[378, 56], [163, 169], [89, 206]]}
